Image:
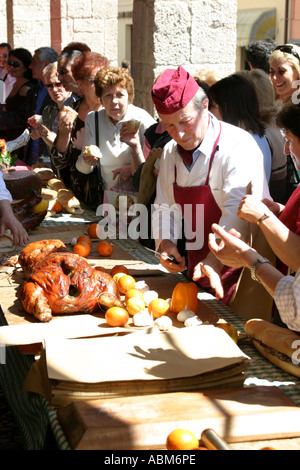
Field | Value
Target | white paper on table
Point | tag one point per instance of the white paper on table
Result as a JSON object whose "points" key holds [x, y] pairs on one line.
{"points": [[183, 352], [73, 326]]}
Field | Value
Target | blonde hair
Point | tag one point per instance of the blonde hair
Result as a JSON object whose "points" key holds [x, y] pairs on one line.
{"points": [[289, 57], [50, 69]]}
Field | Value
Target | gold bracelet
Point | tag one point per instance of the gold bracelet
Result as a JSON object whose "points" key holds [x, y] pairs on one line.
{"points": [[263, 217]]}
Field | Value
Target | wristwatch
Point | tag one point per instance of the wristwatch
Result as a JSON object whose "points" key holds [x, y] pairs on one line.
{"points": [[263, 217], [255, 265]]}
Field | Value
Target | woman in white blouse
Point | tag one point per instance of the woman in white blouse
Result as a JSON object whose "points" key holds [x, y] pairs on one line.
{"points": [[120, 148]]}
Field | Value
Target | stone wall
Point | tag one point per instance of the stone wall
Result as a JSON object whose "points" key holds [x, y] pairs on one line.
{"points": [[194, 33], [92, 21]]}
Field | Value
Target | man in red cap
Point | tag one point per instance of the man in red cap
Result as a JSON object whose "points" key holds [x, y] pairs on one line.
{"points": [[204, 173]]}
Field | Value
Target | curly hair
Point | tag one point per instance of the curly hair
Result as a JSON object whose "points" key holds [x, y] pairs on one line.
{"points": [[111, 76], [288, 118], [86, 63]]}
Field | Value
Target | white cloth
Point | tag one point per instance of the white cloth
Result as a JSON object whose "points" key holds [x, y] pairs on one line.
{"points": [[237, 162], [4, 193], [115, 153], [8, 82], [287, 299]]}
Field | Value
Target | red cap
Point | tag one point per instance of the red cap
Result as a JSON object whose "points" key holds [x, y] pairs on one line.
{"points": [[173, 90]]}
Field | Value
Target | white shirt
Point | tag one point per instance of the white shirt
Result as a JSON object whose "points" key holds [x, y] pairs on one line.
{"points": [[4, 193], [237, 162], [115, 153], [8, 82], [287, 299]]}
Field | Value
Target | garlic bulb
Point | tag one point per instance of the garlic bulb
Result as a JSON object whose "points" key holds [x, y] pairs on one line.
{"points": [[142, 318], [184, 314], [193, 321], [150, 295], [74, 241], [164, 323], [142, 285]]}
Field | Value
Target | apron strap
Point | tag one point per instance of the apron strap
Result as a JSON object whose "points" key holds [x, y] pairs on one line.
{"points": [[213, 154]]}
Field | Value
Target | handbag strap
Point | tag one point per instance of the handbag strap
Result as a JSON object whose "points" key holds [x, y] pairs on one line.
{"points": [[97, 143]]}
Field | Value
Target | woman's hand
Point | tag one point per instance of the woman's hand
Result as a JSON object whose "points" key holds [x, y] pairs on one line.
{"points": [[123, 172], [229, 248], [251, 209], [210, 267]]}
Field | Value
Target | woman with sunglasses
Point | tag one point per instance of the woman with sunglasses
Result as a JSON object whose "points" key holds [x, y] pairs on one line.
{"points": [[70, 133], [13, 118], [285, 71]]}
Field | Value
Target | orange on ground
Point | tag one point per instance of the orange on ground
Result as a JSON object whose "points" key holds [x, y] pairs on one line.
{"points": [[57, 207], [82, 249], [94, 230], [119, 268], [181, 439], [134, 293], [84, 239], [135, 305], [125, 283], [105, 248], [116, 316], [158, 307]]}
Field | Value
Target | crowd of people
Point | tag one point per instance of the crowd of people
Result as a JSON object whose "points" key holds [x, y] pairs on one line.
{"points": [[230, 154]]}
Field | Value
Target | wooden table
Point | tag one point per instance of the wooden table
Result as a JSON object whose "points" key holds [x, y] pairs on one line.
{"points": [[142, 265]]}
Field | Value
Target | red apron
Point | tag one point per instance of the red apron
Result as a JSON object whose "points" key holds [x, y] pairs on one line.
{"points": [[202, 194]]}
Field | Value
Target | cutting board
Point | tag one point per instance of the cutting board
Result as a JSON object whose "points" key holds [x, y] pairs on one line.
{"points": [[144, 422]]}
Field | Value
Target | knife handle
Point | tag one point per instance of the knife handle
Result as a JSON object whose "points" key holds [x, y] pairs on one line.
{"points": [[213, 441]]}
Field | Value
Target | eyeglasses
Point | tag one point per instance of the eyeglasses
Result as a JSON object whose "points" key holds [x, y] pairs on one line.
{"points": [[288, 49], [50, 86], [13, 63]]}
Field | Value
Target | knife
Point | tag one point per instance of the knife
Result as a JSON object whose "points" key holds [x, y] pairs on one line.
{"points": [[157, 253]]}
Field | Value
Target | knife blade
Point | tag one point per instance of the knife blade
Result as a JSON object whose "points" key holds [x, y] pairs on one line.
{"points": [[157, 253]]}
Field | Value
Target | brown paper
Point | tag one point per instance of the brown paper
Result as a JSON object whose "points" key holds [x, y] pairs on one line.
{"points": [[185, 352]]}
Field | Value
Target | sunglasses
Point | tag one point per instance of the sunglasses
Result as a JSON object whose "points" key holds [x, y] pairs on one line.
{"points": [[13, 63], [50, 86], [289, 50]]}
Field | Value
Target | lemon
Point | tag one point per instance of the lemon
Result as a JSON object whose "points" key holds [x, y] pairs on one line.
{"points": [[135, 305], [40, 206]]}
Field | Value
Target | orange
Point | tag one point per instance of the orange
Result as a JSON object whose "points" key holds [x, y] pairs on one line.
{"points": [[158, 307], [117, 276], [105, 248], [182, 439], [84, 239], [119, 268], [116, 316], [134, 293], [94, 230], [135, 305], [82, 249], [57, 207], [230, 330], [125, 283]]}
